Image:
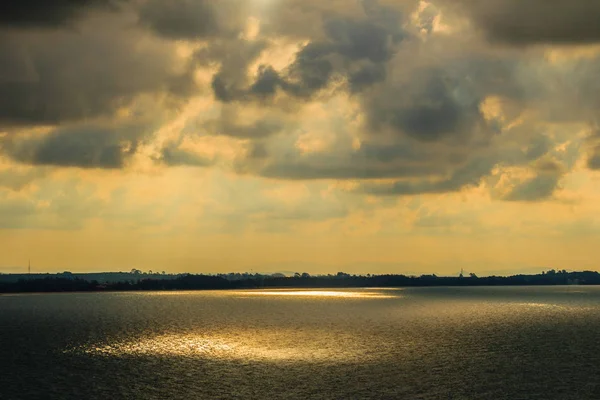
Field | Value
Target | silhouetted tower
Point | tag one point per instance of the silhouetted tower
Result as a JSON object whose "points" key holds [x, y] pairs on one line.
{"points": [[29, 267], [461, 273]]}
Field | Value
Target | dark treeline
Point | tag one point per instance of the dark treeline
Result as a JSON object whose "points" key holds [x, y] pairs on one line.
{"points": [[60, 283]]}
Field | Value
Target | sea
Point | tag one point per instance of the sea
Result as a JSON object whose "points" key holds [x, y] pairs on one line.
{"points": [[411, 343]]}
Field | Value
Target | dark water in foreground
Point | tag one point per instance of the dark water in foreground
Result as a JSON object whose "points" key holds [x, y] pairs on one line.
{"points": [[418, 343]]}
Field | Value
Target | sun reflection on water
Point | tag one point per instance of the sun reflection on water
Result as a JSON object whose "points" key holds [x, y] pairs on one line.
{"points": [[317, 294], [199, 346], [540, 305], [359, 293], [267, 345]]}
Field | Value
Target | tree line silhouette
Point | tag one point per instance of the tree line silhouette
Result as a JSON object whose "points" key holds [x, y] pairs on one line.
{"points": [[137, 281]]}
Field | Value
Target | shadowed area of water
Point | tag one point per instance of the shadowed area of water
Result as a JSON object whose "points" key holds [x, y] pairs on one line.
{"points": [[414, 343]]}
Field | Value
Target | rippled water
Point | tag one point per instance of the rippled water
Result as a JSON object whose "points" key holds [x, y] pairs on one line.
{"points": [[418, 343]]}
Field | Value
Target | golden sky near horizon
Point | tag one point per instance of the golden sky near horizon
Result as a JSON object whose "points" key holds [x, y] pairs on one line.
{"points": [[390, 136]]}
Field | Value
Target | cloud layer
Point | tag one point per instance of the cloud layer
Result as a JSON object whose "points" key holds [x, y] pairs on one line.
{"points": [[360, 110]]}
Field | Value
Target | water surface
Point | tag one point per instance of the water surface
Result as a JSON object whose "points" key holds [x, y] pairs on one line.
{"points": [[415, 343]]}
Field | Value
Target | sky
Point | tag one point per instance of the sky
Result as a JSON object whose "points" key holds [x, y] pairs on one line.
{"points": [[365, 136]]}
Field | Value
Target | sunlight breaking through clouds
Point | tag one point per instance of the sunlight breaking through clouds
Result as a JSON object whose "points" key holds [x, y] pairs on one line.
{"points": [[152, 128]]}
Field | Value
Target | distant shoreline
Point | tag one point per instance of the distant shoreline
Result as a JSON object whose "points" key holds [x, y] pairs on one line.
{"points": [[8, 294], [126, 282]]}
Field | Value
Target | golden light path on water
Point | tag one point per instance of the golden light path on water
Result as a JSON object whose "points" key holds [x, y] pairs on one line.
{"points": [[542, 305], [249, 345], [200, 346], [317, 294], [383, 293]]}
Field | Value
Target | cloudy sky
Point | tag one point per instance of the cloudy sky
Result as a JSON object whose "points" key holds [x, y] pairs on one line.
{"points": [[307, 135]]}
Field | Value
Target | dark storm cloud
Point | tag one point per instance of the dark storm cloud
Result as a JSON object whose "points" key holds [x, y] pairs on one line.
{"points": [[180, 19], [535, 21], [51, 77], [441, 102], [369, 39], [84, 147], [426, 111], [348, 42], [365, 76], [49, 13], [192, 19], [310, 71], [266, 83]]}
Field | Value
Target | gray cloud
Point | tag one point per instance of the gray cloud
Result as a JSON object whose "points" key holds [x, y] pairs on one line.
{"points": [[540, 187], [174, 156], [55, 13], [180, 19], [234, 57], [424, 109], [84, 147], [366, 75], [371, 161], [440, 101], [368, 41], [51, 77], [470, 174], [424, 126], [594, 160], [348, 47], [535, 21], [266, 83], [63, 77], [193, 19], [419, 94]]}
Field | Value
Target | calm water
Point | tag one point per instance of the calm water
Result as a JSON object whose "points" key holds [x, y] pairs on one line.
{"points": [[419, 343]]}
